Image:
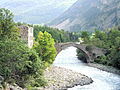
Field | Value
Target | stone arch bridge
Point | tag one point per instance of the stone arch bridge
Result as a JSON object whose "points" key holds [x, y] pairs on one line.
{"points": [[90, 56]]}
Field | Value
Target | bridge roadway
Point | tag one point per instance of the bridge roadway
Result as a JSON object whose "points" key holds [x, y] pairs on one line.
{"points": [[90, 56]]}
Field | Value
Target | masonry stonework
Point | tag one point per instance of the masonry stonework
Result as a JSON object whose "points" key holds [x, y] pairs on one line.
{"points": [[26, 33], [89, 55]]}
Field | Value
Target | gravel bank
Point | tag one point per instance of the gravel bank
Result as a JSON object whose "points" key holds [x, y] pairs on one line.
{"points": [[105, 68], [61, 79], [11, 87]]}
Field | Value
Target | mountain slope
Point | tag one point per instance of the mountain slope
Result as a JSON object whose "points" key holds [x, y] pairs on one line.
{"points": [[36, 11], [88, 15]]}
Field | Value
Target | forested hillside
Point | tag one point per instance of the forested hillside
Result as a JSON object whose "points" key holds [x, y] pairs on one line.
{"points": [[58, 35]]}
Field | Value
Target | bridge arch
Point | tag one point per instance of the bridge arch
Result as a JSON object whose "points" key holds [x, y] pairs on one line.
{"points": [[87, 58], [61, 46]]}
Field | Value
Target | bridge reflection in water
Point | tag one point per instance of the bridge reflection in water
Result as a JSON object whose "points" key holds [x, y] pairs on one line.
{"points": [[102, 80]]}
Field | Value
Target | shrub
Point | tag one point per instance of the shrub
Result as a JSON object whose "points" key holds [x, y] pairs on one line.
{"points": [[103, 60], [38, 82], [18, 63], [81, 55]]}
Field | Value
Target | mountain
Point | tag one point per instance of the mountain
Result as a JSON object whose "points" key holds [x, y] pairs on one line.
{"points": [[36, 11], [88, 15]]}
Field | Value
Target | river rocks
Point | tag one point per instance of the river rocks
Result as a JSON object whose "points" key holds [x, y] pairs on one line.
{"points": [[14, 87], [11, 87], [105, 68], [61, 79]]}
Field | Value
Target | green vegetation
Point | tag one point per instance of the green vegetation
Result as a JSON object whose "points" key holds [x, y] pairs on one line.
{"points": [[18, 63], [81, 56], [58, 35], [7, 28], [44, 46], [110, 41], [6, 23], [85, 36]]}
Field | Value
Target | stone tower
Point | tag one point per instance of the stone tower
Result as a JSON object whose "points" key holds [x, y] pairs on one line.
{"points": [[26, 33]]}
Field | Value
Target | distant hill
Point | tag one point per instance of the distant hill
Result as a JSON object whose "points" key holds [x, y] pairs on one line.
{"points": [[36, 11], [88, 15]]}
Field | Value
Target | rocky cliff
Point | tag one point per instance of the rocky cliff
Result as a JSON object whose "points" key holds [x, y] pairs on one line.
{"points": [[88, 15]]}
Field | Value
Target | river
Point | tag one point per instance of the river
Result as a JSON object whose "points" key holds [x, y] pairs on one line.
{"points": [[102, 80]]}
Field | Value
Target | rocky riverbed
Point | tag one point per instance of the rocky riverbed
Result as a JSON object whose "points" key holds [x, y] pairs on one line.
{"points": [[105, 68], [61, 79]]}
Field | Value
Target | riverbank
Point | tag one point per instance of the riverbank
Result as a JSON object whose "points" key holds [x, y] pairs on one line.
{"points": [[61, 79], [105, 68], [11, 87]]}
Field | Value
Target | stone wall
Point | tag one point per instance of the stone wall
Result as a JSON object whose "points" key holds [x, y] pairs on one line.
{"points": [[30, 37], [26, 33]]}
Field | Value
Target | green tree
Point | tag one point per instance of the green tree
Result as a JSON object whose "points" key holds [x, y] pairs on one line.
{"points": [[110, 41], [97, 42], [115, 53], [112, 35], [19, 23], [45, 47], [58, 35], [18, 63], [6, 23], [100, 35], [15, 35], [85, 36]]}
